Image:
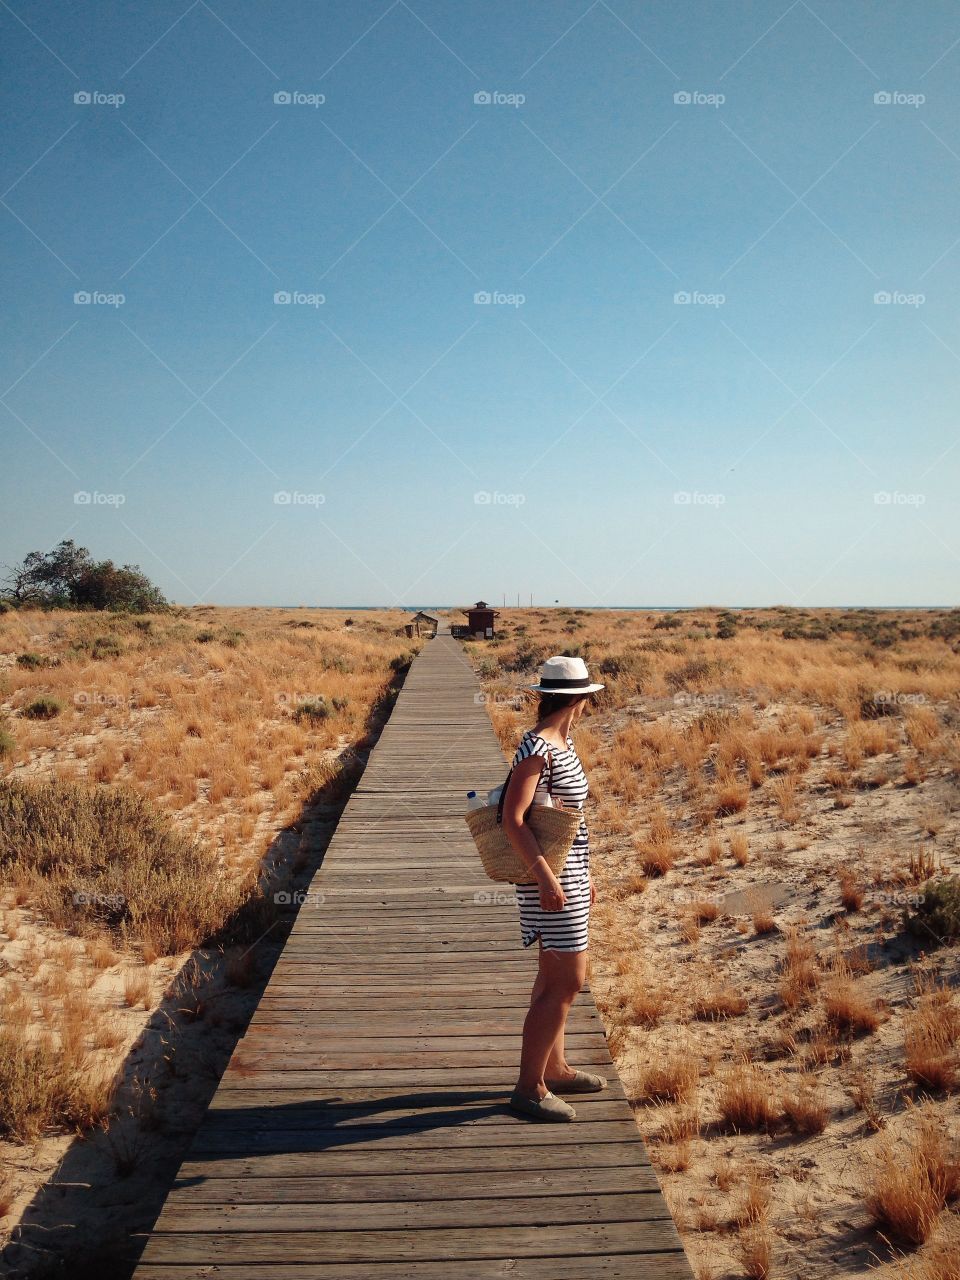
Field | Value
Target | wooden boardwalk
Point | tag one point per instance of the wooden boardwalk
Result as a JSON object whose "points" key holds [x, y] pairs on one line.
{"points": [[360, 1129]]}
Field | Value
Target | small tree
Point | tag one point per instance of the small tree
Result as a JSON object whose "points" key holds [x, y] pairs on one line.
{"points": [[68, 577]]}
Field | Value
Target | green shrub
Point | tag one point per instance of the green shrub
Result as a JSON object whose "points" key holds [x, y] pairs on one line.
{"points": [[527, 658], [726, 626], [7, 742], [634, 666], [43, 708], [103, 859], [204, 637], [692, 672], [669, 623], [315, 709], [34, 661], [106, 647], [937, 917]]}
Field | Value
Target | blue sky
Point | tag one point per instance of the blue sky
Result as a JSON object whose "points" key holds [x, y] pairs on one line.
{"points": [[587, 435]]}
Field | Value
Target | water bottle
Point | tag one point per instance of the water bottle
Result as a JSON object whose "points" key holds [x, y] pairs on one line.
{"points": [[474, 801]]}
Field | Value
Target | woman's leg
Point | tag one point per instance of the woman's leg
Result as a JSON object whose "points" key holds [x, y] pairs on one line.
{"points": [[557, 1067], [560, 977]]}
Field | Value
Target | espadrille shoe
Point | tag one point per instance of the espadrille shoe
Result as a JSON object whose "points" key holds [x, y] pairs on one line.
{"points": [[582, 1082], [549, 1107]]}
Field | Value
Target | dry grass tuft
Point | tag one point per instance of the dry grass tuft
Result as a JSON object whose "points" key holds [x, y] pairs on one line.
{"points": [[804, 1108], [931, 1036], [672, 1078], [801, 972], [745, 1102], [908, 1188], [847, 1009]]}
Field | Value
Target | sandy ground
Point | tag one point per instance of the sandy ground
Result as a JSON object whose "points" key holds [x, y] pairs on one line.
{"points": [[815, 1184]]}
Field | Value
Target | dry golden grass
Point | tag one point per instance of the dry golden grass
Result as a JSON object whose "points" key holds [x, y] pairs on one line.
{"points": [[640, 998], [804, 1108], [719, 1001], [846, 1008], [756, 1252], [851, 893], [931, 1038], [739, 848], [801, 972], [912, 1181], [43, 1085], [672, 1077], [745, 1100], [138, 817], [783, 760]]}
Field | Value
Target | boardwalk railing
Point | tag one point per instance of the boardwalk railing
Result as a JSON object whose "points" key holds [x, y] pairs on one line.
{"points": [[361, 1126]]}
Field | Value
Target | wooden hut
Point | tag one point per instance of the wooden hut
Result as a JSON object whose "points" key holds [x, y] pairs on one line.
{"points": [[425, 624], [480, 620]]}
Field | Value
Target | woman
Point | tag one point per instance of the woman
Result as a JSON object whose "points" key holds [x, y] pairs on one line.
{"points": [[554, 910]]}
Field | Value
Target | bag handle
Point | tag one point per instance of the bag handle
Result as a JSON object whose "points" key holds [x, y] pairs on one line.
{"points": [[503, 790]]}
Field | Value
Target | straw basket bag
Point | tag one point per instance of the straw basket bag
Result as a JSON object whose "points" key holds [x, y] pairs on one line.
{"points": [[554, 830]]}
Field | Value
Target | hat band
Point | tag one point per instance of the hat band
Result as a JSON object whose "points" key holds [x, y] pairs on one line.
{"points": [[580, 682]]}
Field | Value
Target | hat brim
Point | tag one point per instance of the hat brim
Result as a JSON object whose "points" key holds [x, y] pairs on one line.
{"points": [[567, 693]]}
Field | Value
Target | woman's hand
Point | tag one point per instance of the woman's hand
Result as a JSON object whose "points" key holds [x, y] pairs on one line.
{"points": [[593, 891], [552, 897]]}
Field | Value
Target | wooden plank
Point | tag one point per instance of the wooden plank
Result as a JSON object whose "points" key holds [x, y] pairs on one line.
{"points": [[361, 1126], [425, 1187], [298, 1243], [558, 1209], [670, 1265]]}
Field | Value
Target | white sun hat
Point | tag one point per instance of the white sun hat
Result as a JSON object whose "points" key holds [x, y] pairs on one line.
{"points": [[563, 674]]}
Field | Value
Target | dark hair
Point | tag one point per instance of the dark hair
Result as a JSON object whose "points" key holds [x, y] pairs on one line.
{"points": [[551, 702]]}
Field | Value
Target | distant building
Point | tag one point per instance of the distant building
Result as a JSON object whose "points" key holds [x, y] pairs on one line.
{"points": [[480, 623], [425, 623]]}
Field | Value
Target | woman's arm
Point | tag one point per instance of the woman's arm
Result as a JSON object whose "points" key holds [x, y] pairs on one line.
{"points": [[520, 792]]}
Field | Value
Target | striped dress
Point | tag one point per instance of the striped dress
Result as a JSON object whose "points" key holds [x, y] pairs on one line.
{"points": [[564, 930]]}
